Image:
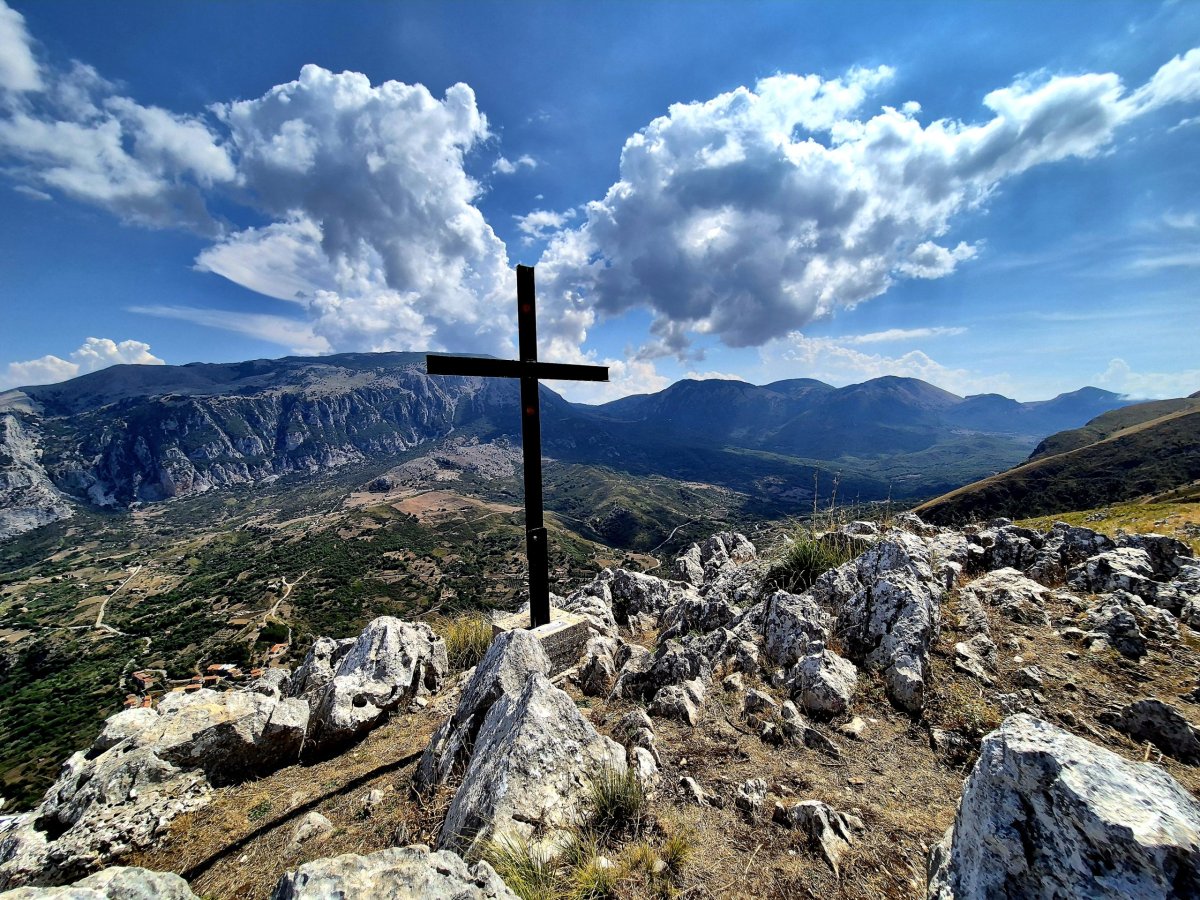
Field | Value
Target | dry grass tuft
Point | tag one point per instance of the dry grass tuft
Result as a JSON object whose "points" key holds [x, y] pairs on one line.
{"points": [[467, 640]]}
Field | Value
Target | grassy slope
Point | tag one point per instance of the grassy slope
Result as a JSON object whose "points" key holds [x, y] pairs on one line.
{"points": [[1144, 459], [1108, 424]]}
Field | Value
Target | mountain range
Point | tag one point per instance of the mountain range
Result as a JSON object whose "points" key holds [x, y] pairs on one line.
{"points": [[143, 434], [1137, 452]]}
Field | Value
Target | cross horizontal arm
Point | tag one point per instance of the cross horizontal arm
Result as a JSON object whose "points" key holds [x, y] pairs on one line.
{"points": [[511, 368]]}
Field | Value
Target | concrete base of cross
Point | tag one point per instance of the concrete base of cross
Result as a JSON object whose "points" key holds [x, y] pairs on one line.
{"points": [[563, 637]]}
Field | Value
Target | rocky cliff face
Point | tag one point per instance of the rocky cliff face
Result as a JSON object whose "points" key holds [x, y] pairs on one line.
{"points": [[112, 444], [28, 498]]}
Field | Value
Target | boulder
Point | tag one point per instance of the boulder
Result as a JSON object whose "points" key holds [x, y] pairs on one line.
{"points": [[639, 600], [1048, 814], [1017, 598], [889, 612], [396, 872], [1009, 546], [791, 623], [312, 829], [750, 797], [1123, 621], [696, 615], [230, 735], [1163, 725], [115, 883], [98, 809], [314, 674], [599, 669], [1065, 546], [509, 662], [826, 827], [530, 769], [1167, 555], [390, 664], [823, 682], [1124, 569], [680, 701]]}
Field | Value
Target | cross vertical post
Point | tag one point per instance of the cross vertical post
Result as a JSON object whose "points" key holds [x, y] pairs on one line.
{"points": [[528, 370], [531, 445]]}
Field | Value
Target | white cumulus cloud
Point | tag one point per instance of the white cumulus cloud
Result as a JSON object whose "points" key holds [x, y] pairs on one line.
{"points": [[18, 69], [749, 215], [375, 232], [92, 355], [504, 166], [1122, 378]]}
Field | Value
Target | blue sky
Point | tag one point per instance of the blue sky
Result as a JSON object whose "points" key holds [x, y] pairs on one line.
{"points": [[990, 196]]}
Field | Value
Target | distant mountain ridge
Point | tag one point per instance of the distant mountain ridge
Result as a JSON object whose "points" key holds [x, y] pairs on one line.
{"points": [[131, 434], [1125, 454]]}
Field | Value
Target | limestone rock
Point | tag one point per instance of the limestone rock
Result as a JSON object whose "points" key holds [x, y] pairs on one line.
{"points": [[750, 797], [126, 724], [828, 828], [312, 829], [529, 769], [315, 673], [680, 701], [758, 701], [1017, 598], [1164, 726], [824, 682], [1124, 621], [274, 682], [599, 669], [1124, 569], [389, 665], [97, 810], [1167, 555], [1048, 814], [696, 614], [229, 735], [792, 622], [503, 672], [396, 872], [888, 604], [1065, 546], [114, 883]]}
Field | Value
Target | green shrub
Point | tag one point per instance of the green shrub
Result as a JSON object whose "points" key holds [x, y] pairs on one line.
{"points": [[527, 873], [617, 798], [807, 558]]}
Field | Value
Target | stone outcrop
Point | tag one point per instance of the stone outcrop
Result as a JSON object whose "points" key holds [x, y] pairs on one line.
{"points": [[823, 682], [385, 668], [144, 769], [887, 603], [829, 829], [396, 872], [1162, 725], [529, 770], [1017, 598], [1124, 569], [115, 883], [1048, 814], [502, 673]]}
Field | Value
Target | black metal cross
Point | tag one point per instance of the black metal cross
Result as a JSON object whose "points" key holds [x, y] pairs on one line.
{"points": [[529, 370]]}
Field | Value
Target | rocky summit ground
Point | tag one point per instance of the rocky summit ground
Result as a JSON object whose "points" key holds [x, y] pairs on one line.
{"points": [[991, 711]]}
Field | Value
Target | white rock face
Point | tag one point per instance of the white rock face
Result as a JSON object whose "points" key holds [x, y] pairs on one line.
{"points": [[1124, 569], [28, 499], [398, 872], [145, 768], [792, 623], [388, 666], [1048, 814], [529, 770], [887, 603], [116, 883], [824, 682], [503, 672], [1018, 598]]}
